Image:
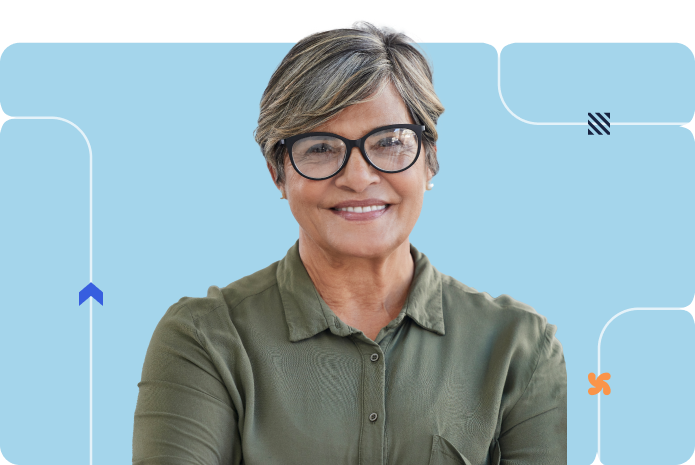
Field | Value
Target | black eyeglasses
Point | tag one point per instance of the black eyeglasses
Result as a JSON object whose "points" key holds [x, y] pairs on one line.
{"points": [[321, 155]]}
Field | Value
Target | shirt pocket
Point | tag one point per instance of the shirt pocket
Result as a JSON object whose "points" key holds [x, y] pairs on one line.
{"points": [[444, 453]]}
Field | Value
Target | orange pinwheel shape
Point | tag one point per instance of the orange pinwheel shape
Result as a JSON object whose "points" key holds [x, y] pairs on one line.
{"points": [[599, 383]]}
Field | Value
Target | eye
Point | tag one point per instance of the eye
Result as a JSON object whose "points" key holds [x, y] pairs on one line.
{"points": [[320, 148], [389, 142]]}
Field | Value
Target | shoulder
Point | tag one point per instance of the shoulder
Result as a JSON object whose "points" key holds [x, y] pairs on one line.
{"points": [[502, 331], [231, 295], [189, 311], [501, 317]]}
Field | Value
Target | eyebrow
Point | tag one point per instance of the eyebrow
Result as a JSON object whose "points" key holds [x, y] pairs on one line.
{"points": [[364, 134]]}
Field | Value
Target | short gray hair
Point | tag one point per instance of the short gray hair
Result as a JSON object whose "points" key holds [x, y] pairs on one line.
{"points": [[328, 71]]}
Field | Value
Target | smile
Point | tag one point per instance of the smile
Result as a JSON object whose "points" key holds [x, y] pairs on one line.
{"points": [[366, 209], [361, 213]]}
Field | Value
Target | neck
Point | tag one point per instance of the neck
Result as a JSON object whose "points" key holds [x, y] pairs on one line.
{"points": [[365, 293]]}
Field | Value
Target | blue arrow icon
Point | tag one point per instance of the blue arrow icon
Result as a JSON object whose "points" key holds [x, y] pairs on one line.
{"points": [[90, 290]]}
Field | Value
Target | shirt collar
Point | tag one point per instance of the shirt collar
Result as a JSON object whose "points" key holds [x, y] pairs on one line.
{"points": [[307, 314]]}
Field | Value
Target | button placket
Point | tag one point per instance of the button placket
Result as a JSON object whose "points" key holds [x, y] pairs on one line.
{"points": [[372, 439], [373, 416]]}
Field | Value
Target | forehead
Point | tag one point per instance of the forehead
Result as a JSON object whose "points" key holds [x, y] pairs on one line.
{"points": [[356, 120]]}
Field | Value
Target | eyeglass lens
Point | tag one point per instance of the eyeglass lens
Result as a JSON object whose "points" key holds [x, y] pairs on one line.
{"points": [[321, 156]]}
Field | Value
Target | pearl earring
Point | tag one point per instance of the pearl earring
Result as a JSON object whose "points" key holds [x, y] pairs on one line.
{"points": [[430, 186]]}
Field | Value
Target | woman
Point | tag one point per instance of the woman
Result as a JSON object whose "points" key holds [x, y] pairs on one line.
{"points": [[352, 349]]}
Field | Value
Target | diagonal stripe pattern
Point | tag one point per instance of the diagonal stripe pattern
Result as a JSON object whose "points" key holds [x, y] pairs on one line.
{"points": [[601, 124]]}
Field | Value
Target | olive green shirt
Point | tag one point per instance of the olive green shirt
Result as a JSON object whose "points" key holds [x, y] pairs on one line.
{"points": [[262, 372]]}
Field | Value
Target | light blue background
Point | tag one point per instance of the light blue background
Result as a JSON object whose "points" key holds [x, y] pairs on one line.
{"points": [[579, 227]]}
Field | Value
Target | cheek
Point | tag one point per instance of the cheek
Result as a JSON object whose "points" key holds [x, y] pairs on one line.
{"points": [[304, 195], [409, 185], [295, 185]]}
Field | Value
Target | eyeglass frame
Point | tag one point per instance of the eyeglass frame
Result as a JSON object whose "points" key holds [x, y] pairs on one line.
{"points": [[350, 144]]}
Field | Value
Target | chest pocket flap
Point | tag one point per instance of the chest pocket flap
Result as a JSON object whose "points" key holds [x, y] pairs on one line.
{"points": [[444, 453]]}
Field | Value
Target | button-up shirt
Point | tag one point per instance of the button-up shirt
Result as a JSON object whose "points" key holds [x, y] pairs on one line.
{"points": [[262, 372]]}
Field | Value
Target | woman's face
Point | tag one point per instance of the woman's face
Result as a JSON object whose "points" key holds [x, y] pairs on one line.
{"points": [[316, 204]]}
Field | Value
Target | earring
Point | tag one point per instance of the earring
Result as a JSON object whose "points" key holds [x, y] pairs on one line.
{"points": [[429, 186], [283, 195]]}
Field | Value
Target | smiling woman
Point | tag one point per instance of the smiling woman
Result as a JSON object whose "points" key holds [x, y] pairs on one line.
{"points": [[353, 348]]}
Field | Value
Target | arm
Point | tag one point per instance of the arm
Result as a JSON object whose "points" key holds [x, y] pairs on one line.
{"points": [[535, 429], [184, 415]]}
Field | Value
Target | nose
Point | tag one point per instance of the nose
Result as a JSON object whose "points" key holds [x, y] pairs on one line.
{"points": [[357, 174]]}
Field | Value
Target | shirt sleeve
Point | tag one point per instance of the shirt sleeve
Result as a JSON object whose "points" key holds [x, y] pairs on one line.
{"points": [[535, 429], [184, 415]]}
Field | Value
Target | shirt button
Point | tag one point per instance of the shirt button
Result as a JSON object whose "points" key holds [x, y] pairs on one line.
{"points": [[372, 417], [374, 357]]}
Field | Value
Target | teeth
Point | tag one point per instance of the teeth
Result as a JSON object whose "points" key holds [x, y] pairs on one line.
{"points": [[363, 209]]}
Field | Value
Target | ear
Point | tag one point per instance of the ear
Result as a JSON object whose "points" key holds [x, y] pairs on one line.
{"points": [[273, 174], [430, 174]]}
